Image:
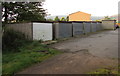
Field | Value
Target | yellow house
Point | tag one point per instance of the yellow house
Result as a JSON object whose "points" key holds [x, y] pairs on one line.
{"points": [[79, 16]]}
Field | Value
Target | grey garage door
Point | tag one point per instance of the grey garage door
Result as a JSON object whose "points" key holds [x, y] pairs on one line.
{"points": [[77, 28], [99, 26], [93, 27], [62, 30], [87, 27]]}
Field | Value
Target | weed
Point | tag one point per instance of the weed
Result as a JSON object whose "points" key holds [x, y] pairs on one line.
{"points": [[19, 53], [28, 55]]}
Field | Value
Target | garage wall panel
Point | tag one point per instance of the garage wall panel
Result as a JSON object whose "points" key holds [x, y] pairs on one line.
{"points": [[62, 30], [108, 24], [99, 26], [87, 28], [78, 28], [93, 27], [25, 28], [42, 31]]}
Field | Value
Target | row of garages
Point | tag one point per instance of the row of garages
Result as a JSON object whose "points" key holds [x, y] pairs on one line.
{"points": [[55, 30], [69, 29]]}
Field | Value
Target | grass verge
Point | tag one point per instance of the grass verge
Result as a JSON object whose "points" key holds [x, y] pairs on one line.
{"points": [[107, 71], [29, 54]]}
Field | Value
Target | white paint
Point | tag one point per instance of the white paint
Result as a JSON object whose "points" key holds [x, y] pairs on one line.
{"points": [[42, 31]]}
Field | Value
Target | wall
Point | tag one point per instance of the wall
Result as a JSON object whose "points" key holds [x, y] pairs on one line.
{"points": [[87, 27], [62, 30], [108, 24], [78, 28], [99, 26], [93, 26], [118, 24], [42, 31], [79, 16], [25, 28]]}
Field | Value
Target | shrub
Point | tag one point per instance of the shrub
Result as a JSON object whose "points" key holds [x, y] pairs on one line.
{"points": [[11, 40]]}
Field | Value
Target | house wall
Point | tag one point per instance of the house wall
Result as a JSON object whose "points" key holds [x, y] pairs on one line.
{"points": [[79, 16], [25, 28]]}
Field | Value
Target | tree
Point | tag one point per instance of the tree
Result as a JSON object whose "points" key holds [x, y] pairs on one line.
{"points": [[56, 19], [107, 18], [67, 18], [62, 19], [23, 11]]}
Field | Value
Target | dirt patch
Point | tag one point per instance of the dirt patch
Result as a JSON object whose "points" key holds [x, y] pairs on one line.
{"points": [[81, 55], [69, 63]]}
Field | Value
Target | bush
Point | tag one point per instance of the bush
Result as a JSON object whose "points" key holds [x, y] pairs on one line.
{"points": [[11, 40]]}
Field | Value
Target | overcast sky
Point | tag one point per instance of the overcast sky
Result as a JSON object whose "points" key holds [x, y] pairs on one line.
{"points": [[93, 7]]}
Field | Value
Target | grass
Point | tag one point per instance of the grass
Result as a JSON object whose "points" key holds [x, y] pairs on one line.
{"points": [[107, 71], [28, 55]]}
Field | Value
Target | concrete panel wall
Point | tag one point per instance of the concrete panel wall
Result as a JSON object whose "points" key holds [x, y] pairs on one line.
{"points": [[25, 28], [55, 30], [108, 24], [42, 31], [78, 28], [87, 27], [62, 30], [93, 27], [49, 31], [99, 26]]}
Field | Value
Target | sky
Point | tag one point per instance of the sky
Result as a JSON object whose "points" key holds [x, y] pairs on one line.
{"points": [[93, 7]]}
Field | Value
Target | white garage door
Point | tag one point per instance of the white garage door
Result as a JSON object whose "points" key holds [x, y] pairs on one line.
{"points": [[42, 31]]}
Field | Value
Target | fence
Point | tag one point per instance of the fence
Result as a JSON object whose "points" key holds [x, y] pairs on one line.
{"points": [[61, 29]]}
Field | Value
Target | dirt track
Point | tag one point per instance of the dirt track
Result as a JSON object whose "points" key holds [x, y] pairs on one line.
{"points": [[82, 55]]}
